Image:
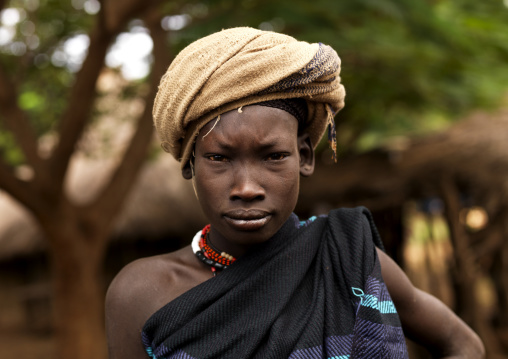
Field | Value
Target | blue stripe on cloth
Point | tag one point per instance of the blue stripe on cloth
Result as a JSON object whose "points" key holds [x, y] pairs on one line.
{"points": [[378, 341], [179, 354], [371, 340], [338, 345], [377, 288], [308, 221], [163, 352], [335, 347], [149, 351], [385, 307], [310, 353]]}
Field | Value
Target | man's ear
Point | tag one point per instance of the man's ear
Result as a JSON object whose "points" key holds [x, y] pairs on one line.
{"points": [[306, 151], [187, 171]]}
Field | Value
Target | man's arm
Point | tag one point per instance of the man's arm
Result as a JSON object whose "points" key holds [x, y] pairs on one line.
{"points": [[427, 320]]}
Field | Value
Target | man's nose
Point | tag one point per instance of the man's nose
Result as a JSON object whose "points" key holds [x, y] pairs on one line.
{"points": [[247, 185]]}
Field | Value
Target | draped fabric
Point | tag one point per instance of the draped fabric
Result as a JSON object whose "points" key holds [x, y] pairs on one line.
{"points": [[314, 290]]}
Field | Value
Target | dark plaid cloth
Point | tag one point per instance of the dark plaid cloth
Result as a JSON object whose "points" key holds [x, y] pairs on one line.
{"points": [[314, 290]]}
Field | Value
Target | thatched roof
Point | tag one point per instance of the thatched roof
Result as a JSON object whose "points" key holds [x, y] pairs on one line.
{"points": [[162, 202], [19, 234], [474, 152]]}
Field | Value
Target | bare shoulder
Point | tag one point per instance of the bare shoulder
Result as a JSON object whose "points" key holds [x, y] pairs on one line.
{"points": [[149, 283], [139, 281], [139, 290]]}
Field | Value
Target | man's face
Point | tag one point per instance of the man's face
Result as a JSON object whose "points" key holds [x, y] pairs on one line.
{"points": [[247, 174]]}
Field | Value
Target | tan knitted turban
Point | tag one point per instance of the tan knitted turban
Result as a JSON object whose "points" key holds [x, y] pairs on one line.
{"points": [[238, 67]]}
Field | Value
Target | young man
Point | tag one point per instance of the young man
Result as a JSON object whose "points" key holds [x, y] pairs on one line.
{"points": [[242, 110]]}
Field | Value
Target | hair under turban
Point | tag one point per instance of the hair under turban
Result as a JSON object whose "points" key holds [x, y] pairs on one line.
{"points": [[239, 67]]}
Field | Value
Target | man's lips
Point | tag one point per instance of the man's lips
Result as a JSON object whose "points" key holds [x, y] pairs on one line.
{"points": [[247, 220], [246, 214]]}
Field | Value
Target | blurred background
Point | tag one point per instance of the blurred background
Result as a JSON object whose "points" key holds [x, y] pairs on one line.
{"points": [[85, 188]]}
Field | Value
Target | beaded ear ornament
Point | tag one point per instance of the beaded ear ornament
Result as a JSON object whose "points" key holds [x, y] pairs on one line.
{"points": [[209, 255]]}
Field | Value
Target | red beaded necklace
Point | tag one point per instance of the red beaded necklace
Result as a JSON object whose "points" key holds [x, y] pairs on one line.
{"points": [[208, 254]]}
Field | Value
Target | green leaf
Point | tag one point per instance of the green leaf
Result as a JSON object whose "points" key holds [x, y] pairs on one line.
{"points": [[30, 101]]}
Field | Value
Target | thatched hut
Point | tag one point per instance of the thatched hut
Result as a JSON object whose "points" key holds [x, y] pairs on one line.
{"points": [[464, 167], [161, 214]]}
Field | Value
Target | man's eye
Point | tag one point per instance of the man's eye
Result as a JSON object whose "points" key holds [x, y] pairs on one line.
{"points": [[277, 156], [217, 158]]}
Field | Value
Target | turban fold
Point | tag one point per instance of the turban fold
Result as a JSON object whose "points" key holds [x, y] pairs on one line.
{"points": [[239, 67]]}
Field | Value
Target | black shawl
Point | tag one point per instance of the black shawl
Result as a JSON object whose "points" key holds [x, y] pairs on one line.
{"points": [[314, 290]]}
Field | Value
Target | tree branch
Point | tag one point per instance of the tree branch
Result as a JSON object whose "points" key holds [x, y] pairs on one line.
{"points": [[80, 102], [16, 121], [118, 12], [110, 22], [114, 194], [20, 190], [491, 238]]}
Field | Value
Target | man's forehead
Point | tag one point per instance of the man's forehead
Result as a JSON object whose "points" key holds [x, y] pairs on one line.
{"points": [[264, 125]]}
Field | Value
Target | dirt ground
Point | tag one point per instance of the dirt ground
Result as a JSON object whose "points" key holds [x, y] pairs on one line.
{"points": [[17, 343], [24, 320]]}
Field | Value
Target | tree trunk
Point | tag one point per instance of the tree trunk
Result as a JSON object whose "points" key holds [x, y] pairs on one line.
{"points": [[77, 252], [499, 274], [463, 273]]}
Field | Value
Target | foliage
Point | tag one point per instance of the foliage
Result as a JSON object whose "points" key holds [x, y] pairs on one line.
{"points": [[409, 66], [35, 56], [42, 79]]}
